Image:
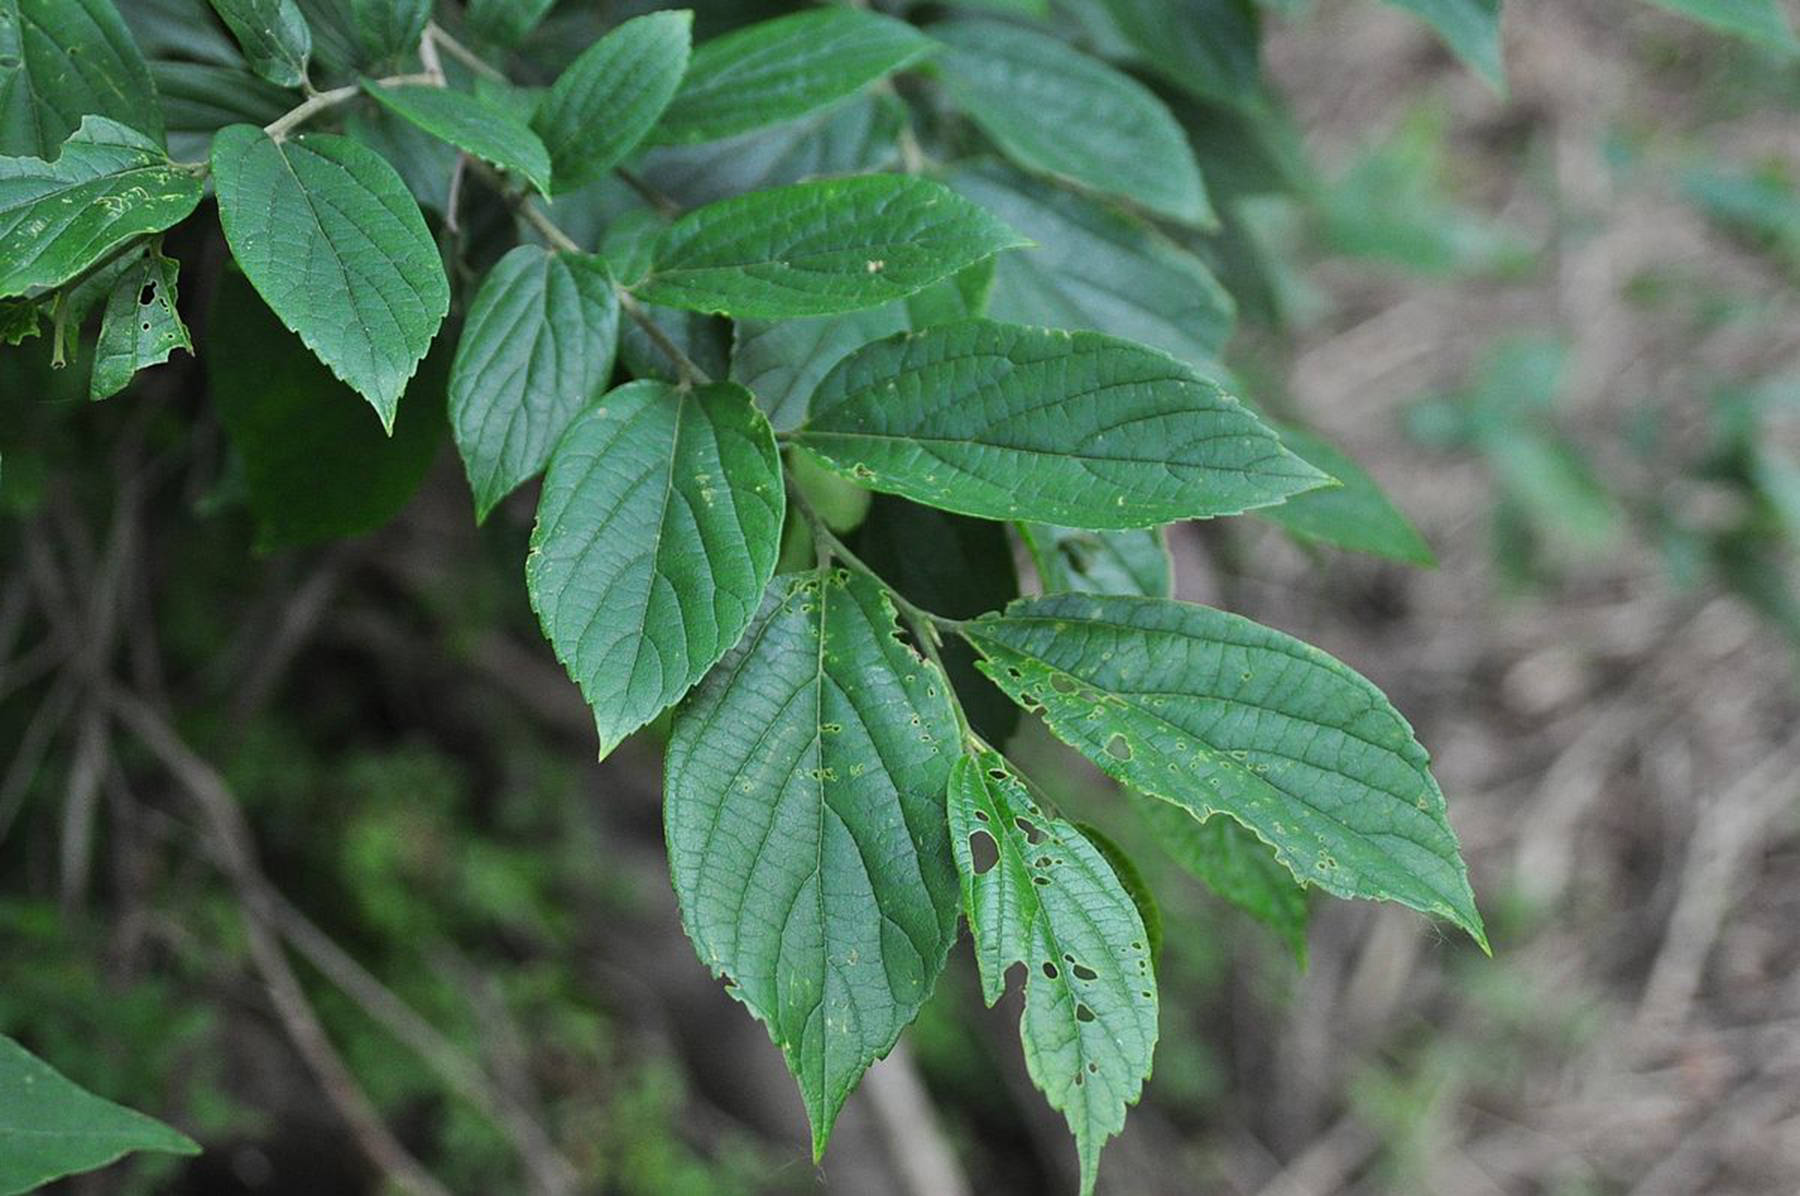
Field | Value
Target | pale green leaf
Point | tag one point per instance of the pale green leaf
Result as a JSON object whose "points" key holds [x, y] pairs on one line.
{"points": [[62, 61], [1057, 111], [1221, 715], [1761, 21], [1099, 269], [1233, 863], [108, 186], [816, 249], [49, 1127], [472, 125], [1070, 560], [140, 326], [1354, 514], [537, 347], [327, 233], [657, 532], [1040, 894], [1472, 29], [1009, 422], [604, 103], [273, 35], [777, 70], [782, 361], [805, 812]]}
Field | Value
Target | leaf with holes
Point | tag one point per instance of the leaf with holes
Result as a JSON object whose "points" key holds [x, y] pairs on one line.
{"points": [[1037, 892], [657, 532], [804, 800], [327, 233], [604, 102], [821, 248], [1007, 422], [483, 130], [62, 62], [537, 347], [140, 326], [1233, 863], [1221, 715], [109, 186], [777, 70], [273, 34]]}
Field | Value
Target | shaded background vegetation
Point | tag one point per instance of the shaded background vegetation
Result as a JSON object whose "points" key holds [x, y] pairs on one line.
{"points": [[1562, 329]]}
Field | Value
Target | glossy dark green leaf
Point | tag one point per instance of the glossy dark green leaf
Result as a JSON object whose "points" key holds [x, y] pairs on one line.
{"points": [[273, 35], [1355, 514], [807, 840], [140, 326], [62, 61], [484, 130], [657, 532], [782, 361], [1233, 863], [609, 98], [1008, 422], [1070, 560]]}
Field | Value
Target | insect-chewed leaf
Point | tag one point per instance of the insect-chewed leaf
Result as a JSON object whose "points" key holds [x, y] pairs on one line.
{"points": [[140, 326], [1233, 863], [273, 35], [327, 233], [820, 248], [780, 69], [805, 815], [537, 347], [1221, 715], [1354, 514], [1055, 110], [109, 185], [1037, 892], [1008, 422], [62, 62], [471, 124], [50, 1127], [604, 102], [657, 532], [1472, 29], [1070, 560]]}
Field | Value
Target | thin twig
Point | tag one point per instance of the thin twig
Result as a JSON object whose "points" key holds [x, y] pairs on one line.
{"points": [[322, 100], [436, 34]]}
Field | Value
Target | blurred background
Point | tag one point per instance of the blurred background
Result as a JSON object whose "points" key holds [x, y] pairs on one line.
{"points": [[1561, 329]]}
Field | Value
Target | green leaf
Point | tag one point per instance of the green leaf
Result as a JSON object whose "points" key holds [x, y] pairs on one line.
{"points": [[317, 464], [1208, 48], [1070, 560], [505, 22], [782, 361], [273, 35], [817, 249], [471, 125], [199, 99], [805, 815], [1054, 110], [1761, 21], [537, 348], [49, 1127], [1233, 863], [1221, 715], [1355, 515], [656, 534], [140, 326], [1472, 29], [423, 163], [109, 186], [777, 70], [962, 296], [1008, 422], [1037, 892], [387, 29], [602, 106], [62, 61], [327, 233], [1098, 269]]}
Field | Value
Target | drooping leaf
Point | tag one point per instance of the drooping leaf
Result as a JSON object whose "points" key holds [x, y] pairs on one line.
{"points": [[1094, 268], [604, 103], [807, 842], [1047, 898], [1761, 21], [537, 347], [1355, 514], [273, 35], [1007, 422], [317, 465], [472, 125], [108, 186], [782, 361], [327, 233], [1221, 715], [1233, 863], [50, 1127], [1469, 27], [140, 326], [816, 249], [657, 532], [63, 61], [1208, 48], [505, 22], [777, 70], [1070, 560], [1057, 111]]}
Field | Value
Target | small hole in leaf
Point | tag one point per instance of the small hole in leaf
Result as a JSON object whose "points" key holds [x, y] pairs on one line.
{"points": [[981, 816], [1050, 971], [984, 853], [147, 294], [1083, 1013], [1083, 972], [1043, 861], [999, 774], [1031, 829], [1040, 880], [1117, 748], [1093, 1068], [146, 325], [1078, 1079]]}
